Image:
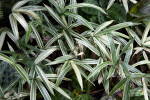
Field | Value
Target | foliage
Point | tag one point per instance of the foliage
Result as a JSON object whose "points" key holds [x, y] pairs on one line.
{"points": [[1, 12], [56, 53]]}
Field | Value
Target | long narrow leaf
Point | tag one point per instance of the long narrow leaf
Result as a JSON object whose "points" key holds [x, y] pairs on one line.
{"points": [[117, 86], [88, 45], [45, 54], [85, 5], [37, 37], [33, 90], [98, 68], [55, 16], [44, 79], [43, 91], [78, 17], [126, 92], [112, 48], [78, 74]]}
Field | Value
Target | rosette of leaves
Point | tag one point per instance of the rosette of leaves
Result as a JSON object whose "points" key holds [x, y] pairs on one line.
{"points": [[98, 54]]}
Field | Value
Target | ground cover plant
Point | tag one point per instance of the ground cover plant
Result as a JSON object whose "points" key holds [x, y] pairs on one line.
{"points": [[75, 50]]}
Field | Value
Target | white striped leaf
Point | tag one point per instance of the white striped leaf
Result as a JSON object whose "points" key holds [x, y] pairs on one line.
{"points": [[117, 86], [13, 23], [116, 27], [88, 45], [145, 89], [53, 2], [110, 3], [126, 92], [141, 63], [112, 48], [65, 68], [22, 72], [21, 20], [33, 90], [125, 4], [85, 5], [37, 37], [19, 4], [43, 91], [2, 38], [44, 79], [102, 26], [60, 90], [98, 68], [45, 54], [78, 17], [78, 74], [55, 16]]}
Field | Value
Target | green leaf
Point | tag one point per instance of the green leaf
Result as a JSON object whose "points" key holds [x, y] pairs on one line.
{"points": [[33, 90], [112, 48], [85, 5], [145, 89], [1, 92], [6, 59], [102, 47], [116, 27], [65, 68], [56, 5], [45, 54], [117, 86], [141, 63], [126, 92], [2, 38], [86, 61], [44, 78], [62, 4], [43, 91], [146, 31], [78, 74], [128, 54], [52, 27], [98, 68], [37, 37], [125, 4], [22, 72], [60, 90], [111, 72], [28, 35], [9, 88], [19, 4], [137, 75], [21, 20], [134, 35], [110, 3], [62, 47], [52, 40], [74, 10], [28, 12], [78, 17], [88, 45], [124, 67], [70, 42], [102, 26], [86, 66], [125, 48], [14, 26], [55, 16]]}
